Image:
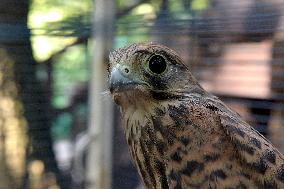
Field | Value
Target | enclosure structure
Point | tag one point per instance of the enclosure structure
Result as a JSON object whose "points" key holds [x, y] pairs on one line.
{"points": [[55, 121]]}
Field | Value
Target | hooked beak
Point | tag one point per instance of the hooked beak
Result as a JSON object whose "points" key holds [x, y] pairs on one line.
{"points": [[120, 82]]}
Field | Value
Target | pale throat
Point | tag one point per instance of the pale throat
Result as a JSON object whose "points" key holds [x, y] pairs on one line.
{"points": [[135, 101], [140, 115]]}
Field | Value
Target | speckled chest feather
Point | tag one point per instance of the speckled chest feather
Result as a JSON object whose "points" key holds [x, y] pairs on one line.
{"points": [[179, 146]]}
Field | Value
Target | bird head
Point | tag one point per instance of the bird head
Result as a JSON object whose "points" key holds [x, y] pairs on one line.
{"points": [[148, 73]]}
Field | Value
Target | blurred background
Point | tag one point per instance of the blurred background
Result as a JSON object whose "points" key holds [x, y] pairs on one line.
{"points": [[59, 128]]}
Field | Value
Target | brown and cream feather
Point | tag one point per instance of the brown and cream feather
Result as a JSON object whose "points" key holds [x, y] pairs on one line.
{"points": [[181, 136]]}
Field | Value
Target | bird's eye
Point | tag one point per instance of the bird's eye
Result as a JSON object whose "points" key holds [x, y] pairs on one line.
{"points": [[157, 64]]}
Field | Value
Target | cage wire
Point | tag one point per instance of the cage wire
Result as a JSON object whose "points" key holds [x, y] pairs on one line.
{"points": [[234, 48]]}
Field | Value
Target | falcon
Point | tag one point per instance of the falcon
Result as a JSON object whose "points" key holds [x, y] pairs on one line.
{"points": [[181, 136]]}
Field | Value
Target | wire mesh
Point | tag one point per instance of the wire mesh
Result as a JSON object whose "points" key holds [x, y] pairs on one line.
{"points": [[234, 48]]}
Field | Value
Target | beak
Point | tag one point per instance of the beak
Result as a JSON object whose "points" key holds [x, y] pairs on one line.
{"points": [[119, 82]]}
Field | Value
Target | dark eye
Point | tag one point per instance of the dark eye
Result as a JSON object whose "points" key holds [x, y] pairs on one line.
{"points": [[157, 64]]}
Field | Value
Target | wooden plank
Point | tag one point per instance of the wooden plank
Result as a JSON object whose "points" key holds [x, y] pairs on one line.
{"points": [[99, 159]]}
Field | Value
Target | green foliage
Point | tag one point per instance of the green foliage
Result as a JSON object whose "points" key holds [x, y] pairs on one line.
{"points": [[137, 25], [56, 24], [199, 4], [70, 70], [44, 12], [61, 127]]}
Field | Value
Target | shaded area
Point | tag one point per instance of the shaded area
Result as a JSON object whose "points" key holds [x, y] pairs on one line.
{"points": [[33, 100]]}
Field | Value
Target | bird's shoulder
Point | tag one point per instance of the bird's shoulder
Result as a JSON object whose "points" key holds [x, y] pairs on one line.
{"points": [[246, 139], [221, 148]]}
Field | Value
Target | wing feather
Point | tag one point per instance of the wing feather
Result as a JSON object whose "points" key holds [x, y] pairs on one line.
{"points": [[254, 151], [240, 132]]}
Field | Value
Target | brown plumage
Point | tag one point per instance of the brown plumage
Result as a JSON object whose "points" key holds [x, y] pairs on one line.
{"points": [[179, 135]]}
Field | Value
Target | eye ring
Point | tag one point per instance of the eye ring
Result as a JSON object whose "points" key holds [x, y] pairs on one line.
{"points": [[157, 64]]}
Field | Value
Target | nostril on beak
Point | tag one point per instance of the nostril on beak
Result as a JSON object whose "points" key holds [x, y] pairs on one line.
{"points": [[125, 70], [120, 80]]}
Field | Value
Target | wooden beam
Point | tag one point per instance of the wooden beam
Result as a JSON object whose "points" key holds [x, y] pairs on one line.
{"points": [[99, 159]]}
